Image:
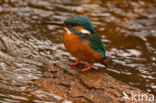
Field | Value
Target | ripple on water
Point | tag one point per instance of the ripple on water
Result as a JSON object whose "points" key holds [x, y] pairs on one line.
{"points": [[27, 48]]}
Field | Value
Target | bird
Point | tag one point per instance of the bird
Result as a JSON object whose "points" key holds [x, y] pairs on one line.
{"points": [[81, 41]]}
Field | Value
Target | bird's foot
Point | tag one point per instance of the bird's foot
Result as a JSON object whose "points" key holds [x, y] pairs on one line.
{"points": [[85, 69], [74, 64]]}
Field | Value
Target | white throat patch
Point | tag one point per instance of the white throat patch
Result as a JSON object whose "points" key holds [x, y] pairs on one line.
{"points": [[84, 31], [68, 31]]}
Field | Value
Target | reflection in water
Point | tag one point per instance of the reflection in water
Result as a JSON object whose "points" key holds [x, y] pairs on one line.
{"points": [[27, 48]]}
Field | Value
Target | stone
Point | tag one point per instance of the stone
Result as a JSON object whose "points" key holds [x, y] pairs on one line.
{"points": [[67, 83]]}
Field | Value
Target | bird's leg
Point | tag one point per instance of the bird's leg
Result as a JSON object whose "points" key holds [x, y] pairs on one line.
{"points": [[74, 64], [85, 69]]}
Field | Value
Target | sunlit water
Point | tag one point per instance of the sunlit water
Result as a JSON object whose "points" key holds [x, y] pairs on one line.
{"points": [[28, 48]]}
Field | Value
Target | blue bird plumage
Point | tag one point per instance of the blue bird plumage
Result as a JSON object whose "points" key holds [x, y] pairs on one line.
{"points": [[81, 41]]}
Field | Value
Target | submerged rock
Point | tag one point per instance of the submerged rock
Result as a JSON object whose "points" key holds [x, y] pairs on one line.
{"points": [[67, 84]]}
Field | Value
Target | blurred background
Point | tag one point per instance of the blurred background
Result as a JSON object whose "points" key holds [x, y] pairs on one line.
{"points": [[28, 48]]}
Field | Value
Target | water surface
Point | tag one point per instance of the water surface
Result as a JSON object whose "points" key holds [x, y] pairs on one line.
{"points": [[28, 48]]}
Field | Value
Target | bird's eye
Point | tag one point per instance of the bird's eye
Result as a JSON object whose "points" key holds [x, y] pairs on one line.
{"points": [[73, 24], [69, 24]]}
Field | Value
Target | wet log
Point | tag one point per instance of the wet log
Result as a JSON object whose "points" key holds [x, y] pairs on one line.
{"points": [[67, 83]]}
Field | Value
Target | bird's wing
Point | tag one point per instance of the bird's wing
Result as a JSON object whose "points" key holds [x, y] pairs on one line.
{"points": [[95, 43]]}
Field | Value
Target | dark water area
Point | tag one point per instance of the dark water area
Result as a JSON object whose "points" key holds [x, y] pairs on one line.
{"points": [[28, 48]]}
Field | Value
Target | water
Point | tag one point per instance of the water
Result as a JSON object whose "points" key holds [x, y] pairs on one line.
{"points": [[28, 48]]}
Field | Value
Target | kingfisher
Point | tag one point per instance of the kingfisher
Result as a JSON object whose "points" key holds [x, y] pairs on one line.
{"points": [[81, 41]]}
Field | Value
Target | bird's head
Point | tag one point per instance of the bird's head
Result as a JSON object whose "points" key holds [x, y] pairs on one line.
{"points": [[76, 24]]}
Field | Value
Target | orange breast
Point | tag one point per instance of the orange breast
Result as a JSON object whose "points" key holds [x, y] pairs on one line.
{"points": [[80, 49]]}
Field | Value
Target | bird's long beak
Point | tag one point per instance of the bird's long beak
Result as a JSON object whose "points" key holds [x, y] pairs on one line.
{"points": [[57, 24]]}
